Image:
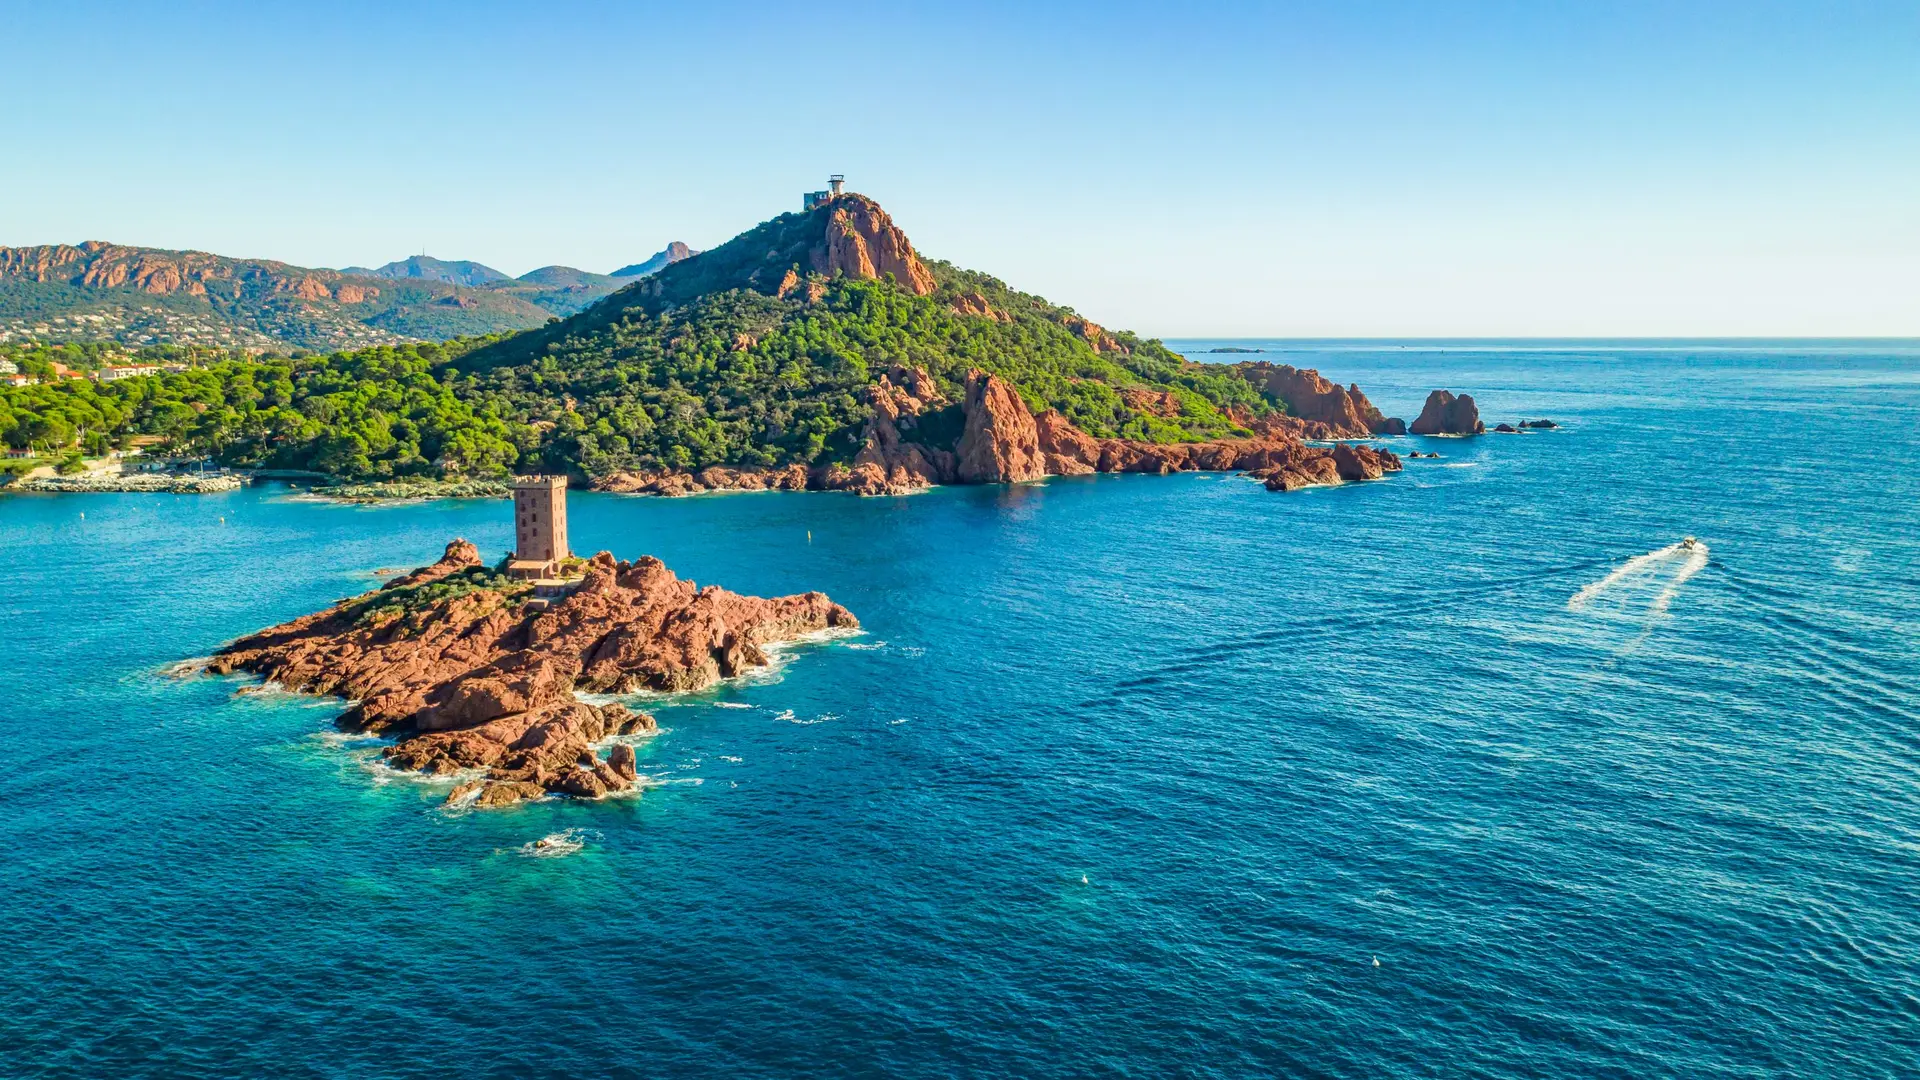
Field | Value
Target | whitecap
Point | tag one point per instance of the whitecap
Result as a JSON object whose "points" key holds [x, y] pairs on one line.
{"points": [[346, 739], [557, 845], [384, 774]]}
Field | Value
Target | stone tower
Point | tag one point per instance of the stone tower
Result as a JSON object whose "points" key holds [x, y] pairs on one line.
{"points": [[539, 526]]}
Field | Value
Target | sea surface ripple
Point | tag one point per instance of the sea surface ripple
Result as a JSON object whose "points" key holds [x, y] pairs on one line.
{"points": [[1467, 773]]}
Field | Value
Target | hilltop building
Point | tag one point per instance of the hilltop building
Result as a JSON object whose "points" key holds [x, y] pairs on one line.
{"points": [[810, 199], [539, 527]]}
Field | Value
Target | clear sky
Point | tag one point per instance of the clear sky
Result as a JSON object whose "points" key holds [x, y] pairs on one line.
{"points": [[1339, 168]]}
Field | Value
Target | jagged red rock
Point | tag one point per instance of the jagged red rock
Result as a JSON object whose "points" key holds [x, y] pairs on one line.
{"points": [[1003, 441], [861, 241], [485, 679], [1445, 414], [1323, 408]]}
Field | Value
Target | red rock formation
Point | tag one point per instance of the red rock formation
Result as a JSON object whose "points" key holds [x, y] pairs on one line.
{"points": [[1004, 442], [460, 555], [863, 242], [1326, 410], [1445, 414], [974, 304], [1093, 334], [100, 265], [1066, 449], [484, 678], [713, 478], [889, 464], [1001, 445], [1152, 402]]}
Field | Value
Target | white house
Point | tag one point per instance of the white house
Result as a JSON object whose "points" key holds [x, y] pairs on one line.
{"points": [[126, 371]]}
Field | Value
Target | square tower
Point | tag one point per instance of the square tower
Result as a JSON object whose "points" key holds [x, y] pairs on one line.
{"points": [[539, 526]]}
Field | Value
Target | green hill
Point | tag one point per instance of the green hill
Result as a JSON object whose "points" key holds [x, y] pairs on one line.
{"points": [[428, 268], [759, 352]]}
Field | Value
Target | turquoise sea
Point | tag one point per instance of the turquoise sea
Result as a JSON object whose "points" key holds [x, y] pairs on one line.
{"points": [[1465, 773]]}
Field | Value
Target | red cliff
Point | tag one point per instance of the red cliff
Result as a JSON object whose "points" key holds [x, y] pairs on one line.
{"points": [[1324, 408], [863, 242], [1003, 441]]}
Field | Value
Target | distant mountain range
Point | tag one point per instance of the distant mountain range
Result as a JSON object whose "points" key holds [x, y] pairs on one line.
{"points": [[661, 259], [428, 268], [142, 296], [480, 275]]}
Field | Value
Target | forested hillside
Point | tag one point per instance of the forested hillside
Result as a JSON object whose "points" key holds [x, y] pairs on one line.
{"points": [[759, 352]]}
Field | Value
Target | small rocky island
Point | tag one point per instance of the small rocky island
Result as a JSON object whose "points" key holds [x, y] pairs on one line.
{"points": [[475, 668]]}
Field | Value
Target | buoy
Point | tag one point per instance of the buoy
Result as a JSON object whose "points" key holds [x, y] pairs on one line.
{"points": [[1376, 961], [1084, 881]]}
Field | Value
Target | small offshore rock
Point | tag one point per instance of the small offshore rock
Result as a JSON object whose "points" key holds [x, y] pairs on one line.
{"points": [[1445, 414], [624, 761]]}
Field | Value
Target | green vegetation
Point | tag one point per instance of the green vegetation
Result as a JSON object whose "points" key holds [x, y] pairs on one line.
{"points": [[704, 363], [389, 490], [408, 601], [372, 414]]}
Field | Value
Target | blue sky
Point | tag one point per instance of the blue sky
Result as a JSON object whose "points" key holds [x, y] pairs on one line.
{"points": [[1221, 169]]}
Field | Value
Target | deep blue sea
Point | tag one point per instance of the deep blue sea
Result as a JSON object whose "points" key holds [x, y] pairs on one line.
{"points": [[1127, 776]]}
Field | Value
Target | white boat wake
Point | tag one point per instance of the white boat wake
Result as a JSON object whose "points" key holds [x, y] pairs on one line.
{"points": [[1663, 572]]}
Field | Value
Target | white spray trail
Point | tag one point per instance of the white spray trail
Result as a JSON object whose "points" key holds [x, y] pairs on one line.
{"points": [[1692, 560], [1696, 562], [1635, 565]]}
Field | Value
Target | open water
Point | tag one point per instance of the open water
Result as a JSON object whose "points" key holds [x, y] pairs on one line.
{"points": [[1467, 773]]}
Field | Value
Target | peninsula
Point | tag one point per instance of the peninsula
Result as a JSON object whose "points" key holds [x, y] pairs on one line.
{"points": [[474, 668], [817, 350]]}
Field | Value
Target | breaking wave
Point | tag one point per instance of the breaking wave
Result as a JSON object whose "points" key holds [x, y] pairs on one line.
{"points": [[557, 845]]}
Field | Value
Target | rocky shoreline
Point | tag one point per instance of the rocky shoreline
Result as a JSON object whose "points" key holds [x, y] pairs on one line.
{"points": [[411, 490], [164, 483], [469, 671], [1003, 441]]}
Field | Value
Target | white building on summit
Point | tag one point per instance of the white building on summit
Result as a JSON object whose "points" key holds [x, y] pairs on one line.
{"points": [[837, 184]]}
